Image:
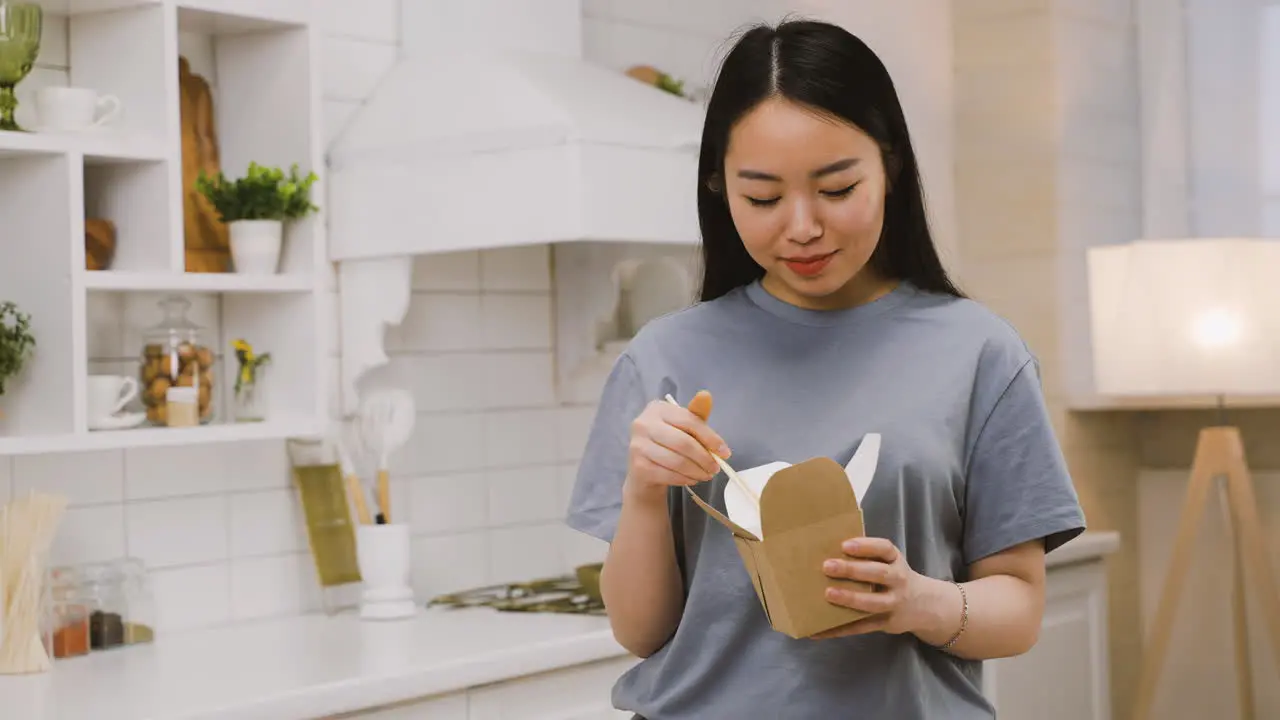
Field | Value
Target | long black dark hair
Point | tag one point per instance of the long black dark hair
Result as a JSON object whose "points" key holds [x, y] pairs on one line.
{"points": [[824, 67]]}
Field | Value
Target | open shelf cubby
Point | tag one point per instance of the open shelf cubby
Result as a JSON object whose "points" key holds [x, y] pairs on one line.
{"points": [[258, 58]]}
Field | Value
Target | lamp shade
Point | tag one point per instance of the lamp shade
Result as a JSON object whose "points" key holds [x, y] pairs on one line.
{"points": [[1186, 317]]}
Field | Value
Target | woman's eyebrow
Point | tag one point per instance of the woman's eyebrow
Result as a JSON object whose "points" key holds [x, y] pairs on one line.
{"points": [[835, 167]]}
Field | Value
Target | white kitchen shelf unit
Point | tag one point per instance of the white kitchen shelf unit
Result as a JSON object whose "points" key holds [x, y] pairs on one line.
{"points": [[157, 437], [96, 149], [125, 281], [259, 57]]}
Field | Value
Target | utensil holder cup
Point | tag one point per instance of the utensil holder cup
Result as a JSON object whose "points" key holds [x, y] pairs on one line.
{"points": [[383, 552]]}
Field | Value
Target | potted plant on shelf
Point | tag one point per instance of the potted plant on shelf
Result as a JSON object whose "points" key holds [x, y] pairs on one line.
{"points": [[255, 209], [16, 342]]}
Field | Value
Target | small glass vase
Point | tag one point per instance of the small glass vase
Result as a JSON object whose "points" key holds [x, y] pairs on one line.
{"points": [[250, 399], [20, 31]]}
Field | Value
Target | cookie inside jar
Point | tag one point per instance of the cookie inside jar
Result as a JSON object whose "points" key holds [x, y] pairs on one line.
{"points": [[174, 353]]}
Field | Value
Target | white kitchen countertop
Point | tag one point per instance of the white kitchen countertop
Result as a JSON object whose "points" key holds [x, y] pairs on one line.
{"points": [[306, 667], [1089, 545], [314, 666]]}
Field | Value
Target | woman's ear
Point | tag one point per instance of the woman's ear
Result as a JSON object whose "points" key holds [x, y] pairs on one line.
{"points": [[715, 183], [892, 166]]}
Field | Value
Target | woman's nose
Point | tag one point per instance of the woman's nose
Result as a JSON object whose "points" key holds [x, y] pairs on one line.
{"points": [[803, 226]]}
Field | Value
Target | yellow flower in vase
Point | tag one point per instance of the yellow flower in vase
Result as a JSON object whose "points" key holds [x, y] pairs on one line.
{"points": [[247, 393]]}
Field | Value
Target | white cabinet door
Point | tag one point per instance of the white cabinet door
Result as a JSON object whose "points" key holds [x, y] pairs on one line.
{"points": [[582, 692], [1066, 675], [445, 707], [569, 694]]}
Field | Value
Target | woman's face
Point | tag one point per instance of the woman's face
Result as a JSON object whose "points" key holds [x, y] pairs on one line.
{"points": [[806, 194]]}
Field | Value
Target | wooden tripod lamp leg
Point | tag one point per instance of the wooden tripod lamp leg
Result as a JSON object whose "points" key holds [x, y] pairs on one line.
{"points": [[1220, 451], [1256, 564], [1210, 460], [1239, 603]]}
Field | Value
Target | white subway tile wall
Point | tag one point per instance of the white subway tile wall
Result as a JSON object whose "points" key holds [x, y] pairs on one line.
{"points": [[486, 477], [485, 473]]}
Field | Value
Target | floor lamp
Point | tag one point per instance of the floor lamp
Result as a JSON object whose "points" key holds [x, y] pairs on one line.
{"points": [[1185, 319]]}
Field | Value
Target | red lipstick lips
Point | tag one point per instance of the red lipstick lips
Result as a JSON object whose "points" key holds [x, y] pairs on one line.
{"points": [[809, 266]]}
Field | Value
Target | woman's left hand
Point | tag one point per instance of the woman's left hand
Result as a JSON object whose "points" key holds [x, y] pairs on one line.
{"points": [[893, 603]]}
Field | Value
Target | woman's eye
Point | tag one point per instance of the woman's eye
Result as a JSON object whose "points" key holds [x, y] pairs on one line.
{"points": [[761, 202], [842, 192]]}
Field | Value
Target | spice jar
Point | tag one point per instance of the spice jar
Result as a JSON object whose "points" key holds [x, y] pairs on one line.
{"points": [[174, 355], [104, 589], [139, 624], [66, 620]]}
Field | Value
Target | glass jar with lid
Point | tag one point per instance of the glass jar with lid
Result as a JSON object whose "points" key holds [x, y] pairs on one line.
{"points": [[104, 590], [139, 622], [174, 353], [66, 615]]}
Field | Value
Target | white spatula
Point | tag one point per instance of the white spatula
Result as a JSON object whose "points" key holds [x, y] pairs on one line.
{"points": [[386, 421]]}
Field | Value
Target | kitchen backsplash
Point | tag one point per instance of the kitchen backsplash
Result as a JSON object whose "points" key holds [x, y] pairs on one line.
{"points": [[484, 481], [487, 474]]}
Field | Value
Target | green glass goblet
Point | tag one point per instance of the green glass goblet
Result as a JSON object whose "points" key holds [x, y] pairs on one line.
{"points": [[19, 45]]}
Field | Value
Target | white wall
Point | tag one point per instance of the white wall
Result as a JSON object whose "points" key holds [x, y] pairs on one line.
{"points": [[1269, 117], [485, 479], [1223, 46], [1211, 98], [1048, 164]]}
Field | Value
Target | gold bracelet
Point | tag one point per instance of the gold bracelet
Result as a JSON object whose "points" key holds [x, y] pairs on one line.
{"points": [[964, 618]]}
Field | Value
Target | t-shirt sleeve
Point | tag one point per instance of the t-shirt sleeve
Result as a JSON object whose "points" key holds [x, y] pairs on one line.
{"points": [[596, 499], [1017, 486]]}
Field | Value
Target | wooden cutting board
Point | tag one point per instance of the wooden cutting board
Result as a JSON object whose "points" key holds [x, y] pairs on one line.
{"points": [[208, 248]]}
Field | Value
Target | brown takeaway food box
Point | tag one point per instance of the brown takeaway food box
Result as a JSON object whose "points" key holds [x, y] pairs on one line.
{"points": [[806, 512]]}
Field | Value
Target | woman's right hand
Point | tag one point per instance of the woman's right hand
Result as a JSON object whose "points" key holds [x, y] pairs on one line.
{"points": [[669, 445]]}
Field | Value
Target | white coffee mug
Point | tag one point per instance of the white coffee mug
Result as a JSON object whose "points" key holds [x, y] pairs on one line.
{"points": [[109, 394], [72, 108]]}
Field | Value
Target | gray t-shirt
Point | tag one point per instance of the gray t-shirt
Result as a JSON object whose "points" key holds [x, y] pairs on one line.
{"points": [[969, 466]]}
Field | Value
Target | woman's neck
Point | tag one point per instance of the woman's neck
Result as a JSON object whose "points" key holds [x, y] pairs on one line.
{"points": [[861, 289]]}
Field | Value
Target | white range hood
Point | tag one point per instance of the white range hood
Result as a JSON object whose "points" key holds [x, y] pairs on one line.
{"points": [[492, 131]]}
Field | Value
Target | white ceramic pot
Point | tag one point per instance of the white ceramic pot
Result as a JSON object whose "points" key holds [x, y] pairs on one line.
{"points": [[255, 246]]}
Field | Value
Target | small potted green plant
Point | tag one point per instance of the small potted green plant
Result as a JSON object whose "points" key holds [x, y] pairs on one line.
{"points": [[16, 342], [255, 209]]}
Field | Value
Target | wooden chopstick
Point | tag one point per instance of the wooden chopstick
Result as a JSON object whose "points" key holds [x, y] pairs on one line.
{"points": [[724, 465]]}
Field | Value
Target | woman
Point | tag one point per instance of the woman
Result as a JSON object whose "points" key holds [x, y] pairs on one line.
{"points": [[825, 314]]}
